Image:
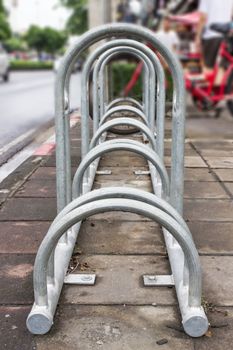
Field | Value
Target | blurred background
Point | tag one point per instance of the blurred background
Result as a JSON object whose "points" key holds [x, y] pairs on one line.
{"points": [[34, 34]]}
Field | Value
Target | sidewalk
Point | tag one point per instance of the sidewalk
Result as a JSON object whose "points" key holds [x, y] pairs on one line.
{"points": [[118, 312]]}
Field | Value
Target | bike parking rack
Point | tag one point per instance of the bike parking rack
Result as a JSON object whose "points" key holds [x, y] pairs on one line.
{"points": [[75, 199]]}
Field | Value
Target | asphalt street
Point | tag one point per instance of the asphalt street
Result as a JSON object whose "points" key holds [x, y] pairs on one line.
{"points": [[27, 102]]}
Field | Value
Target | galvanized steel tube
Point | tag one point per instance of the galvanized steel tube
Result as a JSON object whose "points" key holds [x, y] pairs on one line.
{"points": [[84, 42], [117, 145], [123, 121], [41, 315]]}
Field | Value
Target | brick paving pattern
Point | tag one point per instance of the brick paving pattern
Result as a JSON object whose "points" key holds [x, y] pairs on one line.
{"points": [[118, 312]]}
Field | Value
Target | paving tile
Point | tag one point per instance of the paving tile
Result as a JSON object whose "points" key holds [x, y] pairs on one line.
{"points": [[224, 174], [229, 186], [22, 237], [168, 134], [204, 125], [51, 161], [75, 151], [194, 210], [194, 162], [208, 210], [198, 174], [118, 155], [115, 328], [28, 209], [188, 152], [75, 132], [218, 279], [45, 188], [190, 174], [111, 136], [47, 173], [212, 237], [4, 195], [118, 216], [220, 337], [120, 237], [217, 152], [188, 146], [220, 162], [119, 281], [17, 177], [38, 188], [120, 173], [214, 144], [118, 160], [204, 190], [16, 278], [142, 185], [14, 335], [44, 173], [44, 209], [190, 162], [75, 142]]}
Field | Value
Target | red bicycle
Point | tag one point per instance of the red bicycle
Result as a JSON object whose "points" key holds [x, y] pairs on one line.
{"points": [[208, 93]]}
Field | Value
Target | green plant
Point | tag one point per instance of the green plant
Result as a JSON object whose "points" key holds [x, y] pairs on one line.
{"points": [[45, 39], [15, 44], [5, 30], [121, 75], [78, 21], [30, 65]]}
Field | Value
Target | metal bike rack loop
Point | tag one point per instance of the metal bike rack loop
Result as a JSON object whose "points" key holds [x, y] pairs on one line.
{"points": [[129, 109], [160, 91], [149, 93], [120, 144], [178, 113], [123, 121], [75, 199], [160, 107], [125, 100]]}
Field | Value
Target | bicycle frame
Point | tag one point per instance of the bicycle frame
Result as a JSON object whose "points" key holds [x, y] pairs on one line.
{"points": [[211, 92]]}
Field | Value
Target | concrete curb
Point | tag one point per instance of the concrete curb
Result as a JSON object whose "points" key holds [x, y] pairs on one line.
{"points": [[22, 141]]}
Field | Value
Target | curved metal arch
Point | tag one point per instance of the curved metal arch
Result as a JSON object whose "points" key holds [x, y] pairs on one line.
{"points": [[123, 121], [117, 145], [101, 206], [161, 92], [117, 192], [128, 193], [120, 109], [90, 61], [98, 81], [129, 100], [62, 79], [156, 214], [160, 88]]}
